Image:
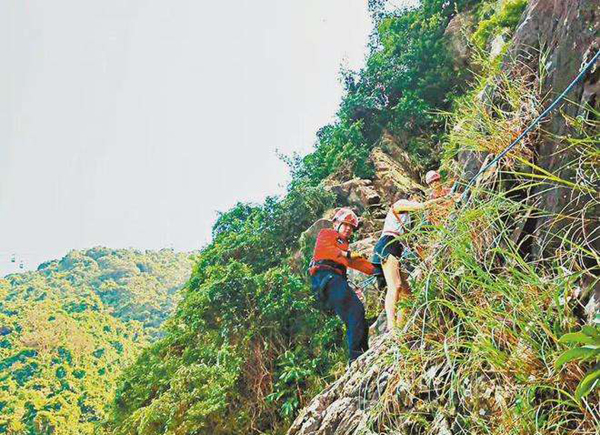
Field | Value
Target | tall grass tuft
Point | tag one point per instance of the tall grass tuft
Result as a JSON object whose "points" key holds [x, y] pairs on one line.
{"points": [[481, 339]]}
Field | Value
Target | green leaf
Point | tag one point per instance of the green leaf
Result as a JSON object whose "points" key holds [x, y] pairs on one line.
{"points": [[577, 353], [590, 331], [591, 381], [576, 337]]}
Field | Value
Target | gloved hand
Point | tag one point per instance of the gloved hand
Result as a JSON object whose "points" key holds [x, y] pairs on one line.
{"points": [[355, 255]]}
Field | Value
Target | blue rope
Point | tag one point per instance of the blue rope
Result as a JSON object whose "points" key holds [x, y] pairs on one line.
{"points": [[532, 125]]}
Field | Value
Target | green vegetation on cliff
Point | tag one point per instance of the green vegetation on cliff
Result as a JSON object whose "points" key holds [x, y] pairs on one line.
{"points": [[245, 344], [67, 329], [246, 349]]}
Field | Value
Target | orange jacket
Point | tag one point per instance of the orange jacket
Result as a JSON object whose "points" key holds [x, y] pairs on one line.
{"points": [[331, 246]]}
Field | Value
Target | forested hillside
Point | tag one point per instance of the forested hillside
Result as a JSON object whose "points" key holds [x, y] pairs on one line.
{"points": [[67, 329]]}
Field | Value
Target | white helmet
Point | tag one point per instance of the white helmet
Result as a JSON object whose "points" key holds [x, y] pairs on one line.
{"points": [[346, 216], [432, 176]]}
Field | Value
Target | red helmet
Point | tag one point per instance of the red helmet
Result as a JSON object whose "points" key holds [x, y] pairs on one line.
{"points": [[346, 216], [432, 176]]}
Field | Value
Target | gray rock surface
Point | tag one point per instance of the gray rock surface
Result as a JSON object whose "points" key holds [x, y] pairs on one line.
{"points": [[357, 192], [342, 408], [568, 32]]}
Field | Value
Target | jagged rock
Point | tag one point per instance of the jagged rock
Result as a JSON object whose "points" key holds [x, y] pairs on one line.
{"points": [[458, 44], [391, 177], [567, 32], [394, 147], [341, 416], [343, 407], [356, 192], [470, 162]]}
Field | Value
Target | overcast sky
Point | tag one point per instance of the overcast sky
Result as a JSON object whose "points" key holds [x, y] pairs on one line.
{"points": [[131, 123]]}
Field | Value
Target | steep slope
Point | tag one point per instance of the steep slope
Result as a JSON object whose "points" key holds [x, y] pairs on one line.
{"points": [[246, 348], [67, 329], [478, 351]]}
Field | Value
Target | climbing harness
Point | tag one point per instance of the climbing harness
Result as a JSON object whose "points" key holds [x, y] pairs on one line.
{"points": [[531, 126]]}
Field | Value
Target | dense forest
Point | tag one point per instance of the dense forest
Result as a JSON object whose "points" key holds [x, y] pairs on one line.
{"points": [[68, 329]]}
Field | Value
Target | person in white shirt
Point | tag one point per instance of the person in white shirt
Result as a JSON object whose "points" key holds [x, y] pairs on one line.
{"points": [[388, 251]]}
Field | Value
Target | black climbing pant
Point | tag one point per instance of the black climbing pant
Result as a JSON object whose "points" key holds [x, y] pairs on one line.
{"points": [[333, 292]]}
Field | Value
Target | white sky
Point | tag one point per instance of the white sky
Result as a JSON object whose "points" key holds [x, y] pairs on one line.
{"points": [[130, 123]]}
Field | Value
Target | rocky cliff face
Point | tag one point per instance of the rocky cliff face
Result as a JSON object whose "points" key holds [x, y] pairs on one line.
{"points": [[343, 407], [566, 33]]}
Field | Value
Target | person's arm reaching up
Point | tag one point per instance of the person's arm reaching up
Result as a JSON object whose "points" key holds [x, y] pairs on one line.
{"points": [[405, 205]]}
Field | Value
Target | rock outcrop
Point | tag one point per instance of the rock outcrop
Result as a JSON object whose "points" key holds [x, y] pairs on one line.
{"points": [[342, 408], [566, 32], [392, 175], [357, 193], [456, 33]]}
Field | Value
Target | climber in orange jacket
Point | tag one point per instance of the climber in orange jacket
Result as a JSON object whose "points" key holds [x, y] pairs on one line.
{"points": [[332, 257]]}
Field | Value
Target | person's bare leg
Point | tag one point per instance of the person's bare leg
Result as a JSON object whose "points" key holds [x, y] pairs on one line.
{"points": [[393, 280], [403, 292]]}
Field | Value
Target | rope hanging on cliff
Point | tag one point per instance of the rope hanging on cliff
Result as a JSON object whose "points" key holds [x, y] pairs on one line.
{"points": [[365, 283], [531, 126]]}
